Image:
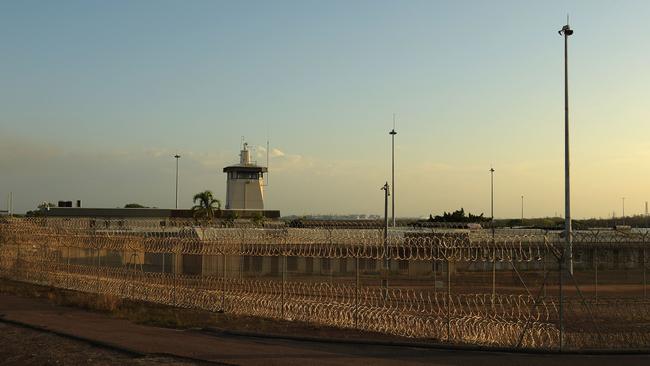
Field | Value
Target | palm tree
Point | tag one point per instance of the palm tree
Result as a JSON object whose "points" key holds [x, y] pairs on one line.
{"points": [[206, 206]]}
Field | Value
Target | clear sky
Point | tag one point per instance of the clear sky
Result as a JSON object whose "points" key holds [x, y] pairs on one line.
{"points": [[96, 97]]}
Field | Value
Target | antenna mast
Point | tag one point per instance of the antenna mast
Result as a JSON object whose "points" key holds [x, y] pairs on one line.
{"points": [[267, 159]]}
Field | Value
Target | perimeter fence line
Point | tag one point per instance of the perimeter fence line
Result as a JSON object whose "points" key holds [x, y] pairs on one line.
{"points": [[441, 285]]}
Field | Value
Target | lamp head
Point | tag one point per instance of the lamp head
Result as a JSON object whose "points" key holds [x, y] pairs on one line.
{"points": [[566, 30]]}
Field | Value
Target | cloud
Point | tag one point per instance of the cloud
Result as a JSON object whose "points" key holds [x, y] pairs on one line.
{"points": [[277, 153], [260, 152]]}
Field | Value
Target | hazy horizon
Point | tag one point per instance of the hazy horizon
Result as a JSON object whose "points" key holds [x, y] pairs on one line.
{"points": [[98, 96]]}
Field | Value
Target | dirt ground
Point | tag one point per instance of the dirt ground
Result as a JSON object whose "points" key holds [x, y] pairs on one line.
{"points": [[20, 346], [153, 314], [24, 347]]}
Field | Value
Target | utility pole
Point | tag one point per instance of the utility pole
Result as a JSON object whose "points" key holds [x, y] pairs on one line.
{"points": [[384, 280], [392, 133], [566, 31], [522, 209], [623, 216], [10, 204], [494, 250], [492, 199], [177, 157]]}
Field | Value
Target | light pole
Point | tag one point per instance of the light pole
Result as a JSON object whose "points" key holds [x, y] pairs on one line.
{"points": [[567, 256], [177, 157], [494, 250], [566, 31], [384, 280], [623, 200], [492, 199], [522, 209], [392, 133]]}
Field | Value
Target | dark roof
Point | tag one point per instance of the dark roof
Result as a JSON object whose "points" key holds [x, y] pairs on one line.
{"points": [[147, 212], [245, 168]]}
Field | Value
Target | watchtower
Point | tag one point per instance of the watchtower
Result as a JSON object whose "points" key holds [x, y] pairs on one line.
{"points": [[245, 183]]}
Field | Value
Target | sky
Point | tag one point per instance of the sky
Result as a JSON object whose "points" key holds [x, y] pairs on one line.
{"points": [[97, 96]]}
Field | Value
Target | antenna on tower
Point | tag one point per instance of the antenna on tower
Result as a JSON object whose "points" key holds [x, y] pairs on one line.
{"points": [[267, 158], [266, 181]]}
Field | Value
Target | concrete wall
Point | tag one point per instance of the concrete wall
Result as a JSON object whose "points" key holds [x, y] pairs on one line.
{"points": [[245, 194]]}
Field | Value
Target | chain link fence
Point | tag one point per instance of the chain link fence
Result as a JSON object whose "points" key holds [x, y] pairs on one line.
{"points": [[440, 285]]}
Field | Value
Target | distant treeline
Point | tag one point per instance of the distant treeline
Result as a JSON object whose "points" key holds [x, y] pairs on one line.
{"points": [[458, 216], [557, 223], [550, 223]]}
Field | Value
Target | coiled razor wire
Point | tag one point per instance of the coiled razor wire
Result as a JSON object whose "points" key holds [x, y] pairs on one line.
{"points": [[38, 250]]}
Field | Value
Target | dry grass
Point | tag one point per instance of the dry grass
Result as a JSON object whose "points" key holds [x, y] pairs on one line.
{"points": [[154, 314]]}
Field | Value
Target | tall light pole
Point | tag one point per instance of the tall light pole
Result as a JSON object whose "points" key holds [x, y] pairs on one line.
{"points": [[177, 157], [392, 134], [566, 31], [522, 209], [623, 200]]}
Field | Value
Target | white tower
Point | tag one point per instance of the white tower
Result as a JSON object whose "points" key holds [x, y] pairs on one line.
{"points": [[244, 188]]}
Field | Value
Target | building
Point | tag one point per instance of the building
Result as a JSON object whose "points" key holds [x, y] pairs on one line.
{"points": [[244, 200], [245, 183]]}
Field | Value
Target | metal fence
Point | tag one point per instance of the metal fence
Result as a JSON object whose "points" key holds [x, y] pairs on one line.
{"points": [[501, 289]]}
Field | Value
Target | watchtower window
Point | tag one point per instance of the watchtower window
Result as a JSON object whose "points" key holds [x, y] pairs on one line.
{"points": [[248, 175]]}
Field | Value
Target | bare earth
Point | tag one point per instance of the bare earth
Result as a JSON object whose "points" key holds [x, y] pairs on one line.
{"points": [[20, 346]]}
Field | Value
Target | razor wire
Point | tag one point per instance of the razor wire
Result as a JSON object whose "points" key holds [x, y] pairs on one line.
{"points": [[39, 251], [316, 243]]}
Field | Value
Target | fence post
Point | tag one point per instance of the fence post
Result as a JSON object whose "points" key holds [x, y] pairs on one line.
{"points": [[596, 273], [68, 277], [561, 314], [448, 301], [494, 274], [435, 276], [97, 269], [41, 261], [174, 276], [494, 267], [356, 296], [645, 260], [544, 264], [284, 278], [241, 255], [18, 264], [435, 265], [223, 281]]}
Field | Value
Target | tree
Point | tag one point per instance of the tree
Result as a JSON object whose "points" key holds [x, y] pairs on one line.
{"points": [[134, 205], [458, 216], [206, 206], [46, 205], [258, 219]]}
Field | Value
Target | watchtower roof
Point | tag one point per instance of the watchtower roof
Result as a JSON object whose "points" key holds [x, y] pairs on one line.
{"points": [[245, 168]]}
